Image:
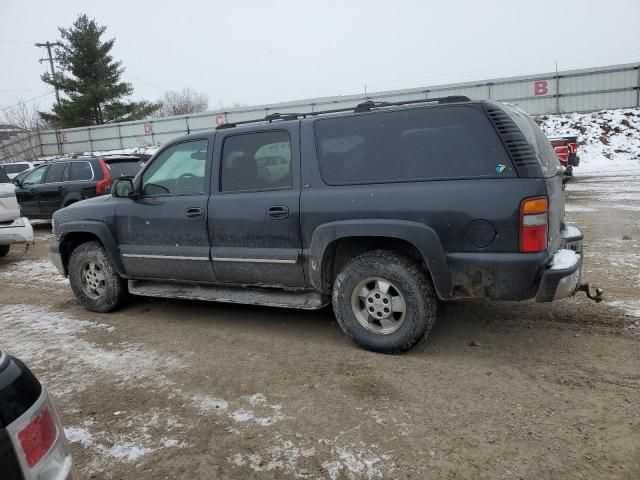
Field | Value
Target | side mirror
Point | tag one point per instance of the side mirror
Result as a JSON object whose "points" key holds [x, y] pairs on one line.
{"points": [[17, 183], [123, 188]]}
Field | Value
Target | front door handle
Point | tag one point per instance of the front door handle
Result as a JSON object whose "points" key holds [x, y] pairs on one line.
{"points": [[195, 212], [60, 189], [278, 211]]}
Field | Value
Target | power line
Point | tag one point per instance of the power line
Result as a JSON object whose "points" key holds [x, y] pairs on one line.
{"points": [[15, 41], [27, 100]]}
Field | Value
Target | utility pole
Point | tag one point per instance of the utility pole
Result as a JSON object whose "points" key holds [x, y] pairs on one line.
{"points": [[48, 46]]}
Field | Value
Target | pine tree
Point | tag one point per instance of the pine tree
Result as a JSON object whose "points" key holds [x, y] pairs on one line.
{"points": [[91, 79]]}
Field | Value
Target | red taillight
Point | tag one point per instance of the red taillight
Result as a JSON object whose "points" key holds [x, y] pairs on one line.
{"points": [[103, 185], [563, 153], [573, 147], [37, 438], [534, 224]]}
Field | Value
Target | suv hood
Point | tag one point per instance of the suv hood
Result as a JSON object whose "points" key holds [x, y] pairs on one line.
{"points": [[9, 209]]}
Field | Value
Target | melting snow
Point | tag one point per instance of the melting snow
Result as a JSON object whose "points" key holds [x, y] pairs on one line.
{"points": [[564, 259]]}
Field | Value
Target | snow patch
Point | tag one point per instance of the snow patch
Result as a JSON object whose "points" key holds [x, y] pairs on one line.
{"points": [[570, 231], [630, 307], [79, 435], [242, 415], [609, 140], [564, 259], [207, 404], [30, 272]]}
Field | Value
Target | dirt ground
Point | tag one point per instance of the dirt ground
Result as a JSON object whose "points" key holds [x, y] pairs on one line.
{"points": [[188, 390]]}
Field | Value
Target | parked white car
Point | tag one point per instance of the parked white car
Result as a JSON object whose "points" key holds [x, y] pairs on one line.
{"points": [[14, 168], [13, 227]]}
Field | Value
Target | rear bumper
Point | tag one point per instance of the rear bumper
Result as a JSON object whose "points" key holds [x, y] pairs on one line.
{"points": [[19, 231], [515, 276], [557, 283]]}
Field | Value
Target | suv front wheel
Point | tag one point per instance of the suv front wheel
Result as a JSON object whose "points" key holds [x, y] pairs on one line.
{"points": [[384, 302], [93, 279]]}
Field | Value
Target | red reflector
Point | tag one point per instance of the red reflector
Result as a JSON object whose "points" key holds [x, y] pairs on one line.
{"points": [[37, 438], [533, 239]]}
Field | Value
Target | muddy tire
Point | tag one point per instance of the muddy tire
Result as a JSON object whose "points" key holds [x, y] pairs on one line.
{"points": [[94, 281], [4, 249], [384, 302]]}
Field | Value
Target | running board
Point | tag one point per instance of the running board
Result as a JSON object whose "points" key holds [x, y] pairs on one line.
{"points": [[245, 295]]}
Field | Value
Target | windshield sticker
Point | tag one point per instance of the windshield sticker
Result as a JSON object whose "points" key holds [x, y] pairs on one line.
{"points": [[500, 168]]}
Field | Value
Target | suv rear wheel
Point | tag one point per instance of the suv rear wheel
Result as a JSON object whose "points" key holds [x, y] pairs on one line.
{"points": [[4, 249], [93, 279], [384, 301]]}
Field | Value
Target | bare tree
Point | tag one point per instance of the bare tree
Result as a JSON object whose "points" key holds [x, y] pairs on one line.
{"points": [[25, 120], [183, 102]]}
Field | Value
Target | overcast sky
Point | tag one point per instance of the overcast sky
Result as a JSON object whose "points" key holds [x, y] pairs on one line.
{"points": [[268, 51]]}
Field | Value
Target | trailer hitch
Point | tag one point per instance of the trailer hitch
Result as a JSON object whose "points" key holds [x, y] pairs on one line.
{"points": [[586, 288]]}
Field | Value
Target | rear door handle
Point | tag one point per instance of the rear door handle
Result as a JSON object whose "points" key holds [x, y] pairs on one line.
{"points": [[278, 211], [195, 212], [60, 189]]}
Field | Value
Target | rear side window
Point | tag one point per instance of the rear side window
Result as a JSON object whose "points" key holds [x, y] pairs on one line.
{"points": [[256, 161], [80, 171], [55, 173], [124, 169], [436, 143], [3, 176]]}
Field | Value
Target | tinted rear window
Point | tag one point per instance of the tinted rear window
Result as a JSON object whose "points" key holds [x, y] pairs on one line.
{"points": [[410, 145], [80, 171], [3, 176], [124, 169], [15, 168], [55, 172]]}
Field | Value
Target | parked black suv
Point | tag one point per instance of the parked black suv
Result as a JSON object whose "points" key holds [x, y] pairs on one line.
{"points": [[32, 440], [65, 181], [381, 210]]}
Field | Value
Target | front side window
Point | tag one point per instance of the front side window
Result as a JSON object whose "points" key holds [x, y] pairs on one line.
{"points": [[80, 171], [256, 161], [178, 170], [35, 177]]}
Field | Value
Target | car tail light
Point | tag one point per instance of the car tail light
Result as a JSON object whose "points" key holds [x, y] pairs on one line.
{"points": [[37, 438], [563, 153], [534, 224], [573, 147], [103, 186], [40, 444]]}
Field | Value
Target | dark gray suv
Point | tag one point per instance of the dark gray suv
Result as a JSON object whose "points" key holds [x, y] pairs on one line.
{"points": [[381, 210]]}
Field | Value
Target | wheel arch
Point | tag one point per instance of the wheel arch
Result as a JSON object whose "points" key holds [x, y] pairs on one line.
{"points": [[333, 244], [72, 235]]}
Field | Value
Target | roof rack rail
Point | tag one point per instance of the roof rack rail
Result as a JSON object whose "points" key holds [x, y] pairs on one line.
{"points": [[359, 108]]}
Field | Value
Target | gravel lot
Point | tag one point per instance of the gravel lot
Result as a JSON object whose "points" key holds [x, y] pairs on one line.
{"points": [[177, 389]]}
